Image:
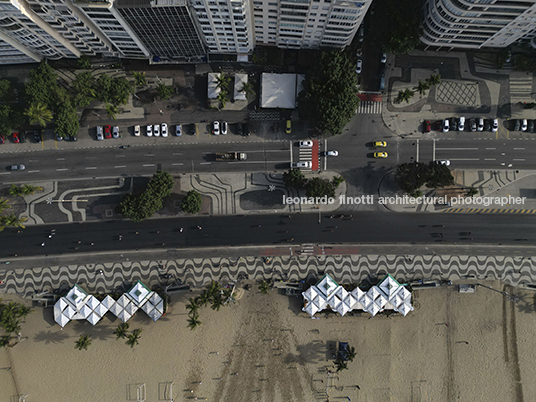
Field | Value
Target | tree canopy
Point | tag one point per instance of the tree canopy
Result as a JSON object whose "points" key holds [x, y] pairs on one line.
{"points": [[66, 119], [43, 86], [83, 87], [165, 92], [294, 178], [113, 90], [191, 204], [329, 99], [11, 114], [396, 25], [410, 177]]}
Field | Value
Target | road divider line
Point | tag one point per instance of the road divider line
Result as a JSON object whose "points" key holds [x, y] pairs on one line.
{"points": [[33, 171], [205, 163], [121, 166], [177, 164], [457, 149], [91, 168], [490, 159], [61, 170], [148, 165]]}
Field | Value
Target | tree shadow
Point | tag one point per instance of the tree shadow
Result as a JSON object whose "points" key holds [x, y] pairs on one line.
{"points": [[308, 353]]}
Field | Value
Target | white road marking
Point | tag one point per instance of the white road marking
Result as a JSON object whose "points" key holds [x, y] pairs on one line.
{"points": [[519, 149], [121, 166], [5, 172], [61, 170], [120, 156], [464, 159], [177, 154], [518, 159], [490, 159], [60, 159], [457, 149], [177, 164], [33, 171], [91, 168], [205, 163], [490, 149], [148, 165]]}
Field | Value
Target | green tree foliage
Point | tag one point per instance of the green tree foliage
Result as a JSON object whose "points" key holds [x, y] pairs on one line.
{"points": [[111, 110], [11, 220], [434, 79], [193, 305], [146, 204], [3, 205], [165, 92], [104, 88], [84, 63], [439, 176], [191, 204], [337, 181], [193, 321], [396, 25], [83, 342], [294, 178], [83, 88], [121, 90], [248, 89], [43, 86], [133, 339], [318, 187], [410, 177], [471, 192], [66, 119], [329, 100], [26, 189], [140, 80], [422, 87], [341, 365], [11, 113], [38, 113], [222, 97], [11, 315], [223, 81], [121, 331], [404, 96], [264, 287], [6, 91]]}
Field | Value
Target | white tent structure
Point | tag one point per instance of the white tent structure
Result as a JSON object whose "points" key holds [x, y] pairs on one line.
{"points": [[388, 294], [139, 293], [239, 81], [94, 318], [76, 297], [213, 89], [278, 91]]}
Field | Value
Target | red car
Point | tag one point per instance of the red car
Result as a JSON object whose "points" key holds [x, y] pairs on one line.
{"points": [[16, 138], [427, 126], [2, 139], [107, 131]]}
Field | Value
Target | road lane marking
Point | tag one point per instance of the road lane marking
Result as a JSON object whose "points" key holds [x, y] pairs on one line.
{"points": [[433, 150], [417, 160], [91, 168], [60, 159], [61, 170], [120, 166], [518, 159], [519, 149], [177, 154], [458, 149], [33, 171], [490, 159], [148, 165], [5, 172], [205, 163], [464, 159], [490, 149], [177, 164]]}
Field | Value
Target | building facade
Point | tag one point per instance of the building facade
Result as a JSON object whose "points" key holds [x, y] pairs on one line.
{"points": [[474, 24], [307, 23]]}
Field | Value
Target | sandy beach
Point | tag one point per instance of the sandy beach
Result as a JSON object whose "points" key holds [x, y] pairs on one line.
{"points": [[453, 347]]}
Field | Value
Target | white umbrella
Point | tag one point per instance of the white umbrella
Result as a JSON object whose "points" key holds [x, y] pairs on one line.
{"points": [[123, 301], [61, 304], [131, 308], [100, 310], [357, 293], [381, 301], [139, 293], [373, 292], [62, 320], [155, 299], [350, 301], [320, 301], [124, 316], [84, 312], [404, 293], [108, 302], [310, 293], [93, 318], [327, 285], [341, 292], [69, 312], [365, 301], [404, 309], [116, 309], [342, 309], [92, 302], [334, 302], [373, 309], [389, 286]]}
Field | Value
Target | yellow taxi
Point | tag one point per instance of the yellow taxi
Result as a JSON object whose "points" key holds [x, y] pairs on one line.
{"points": [[379, 144], [380, 154], [289, 126]]}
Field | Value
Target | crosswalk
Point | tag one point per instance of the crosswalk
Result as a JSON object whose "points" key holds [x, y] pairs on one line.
{"points": [[307, 249], [520, 87], [306, 155], [370, 107]]}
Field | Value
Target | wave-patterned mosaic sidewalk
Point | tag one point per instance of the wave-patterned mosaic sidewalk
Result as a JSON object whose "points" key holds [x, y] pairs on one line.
{"points": [[102, 278]]}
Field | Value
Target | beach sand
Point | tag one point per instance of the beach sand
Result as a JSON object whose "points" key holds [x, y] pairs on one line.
{"points": [[264, 348]]}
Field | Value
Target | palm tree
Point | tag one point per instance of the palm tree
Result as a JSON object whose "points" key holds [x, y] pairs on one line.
{"points": [[12, 220], [223, 81], [193, 305], [422, 87], [217, 302], [204, 298], [15, 191], [38, 113], [83, 342], [213, 288], [134, 338], [248, 89], [121, 331], [3, 204], [28, 189], [264, 287], [140, 80], [434, 79], [222, 97], [193, 321], [404, 95], [350, 353], [111, 110], [341, 365], [23, 311]]}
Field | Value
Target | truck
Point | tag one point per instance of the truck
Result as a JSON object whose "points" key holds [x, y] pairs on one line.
{"points": [[231, 156]]}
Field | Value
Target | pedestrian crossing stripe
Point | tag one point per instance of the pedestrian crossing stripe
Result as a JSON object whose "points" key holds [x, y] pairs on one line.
{"points": [[488, 211], [370, 107]]}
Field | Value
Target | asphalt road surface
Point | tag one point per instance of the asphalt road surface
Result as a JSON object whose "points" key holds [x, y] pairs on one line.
{"points": [[365, 228]]}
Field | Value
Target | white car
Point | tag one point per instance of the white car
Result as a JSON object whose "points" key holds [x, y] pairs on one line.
{"points": [[137, 131], [164, 130], [480, 126], [461, 124], [306, 144], [115, 131], [307, 164], [332, 153], [100, 135], [149, 131], [524, 125], [446, 125], [359, 66], [224, 127], [156, 130], [446, 163], [384, 58], [216, 128], [178, 130], [495, 125]]}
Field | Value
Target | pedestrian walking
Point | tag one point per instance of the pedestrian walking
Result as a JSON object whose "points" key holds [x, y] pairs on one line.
{"points": [[43, 244]]}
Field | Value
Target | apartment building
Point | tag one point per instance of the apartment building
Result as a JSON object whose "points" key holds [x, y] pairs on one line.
{"points": [[307, 23], [226, 25], [474, 24]]}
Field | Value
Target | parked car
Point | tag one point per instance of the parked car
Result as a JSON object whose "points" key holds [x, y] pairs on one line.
{"points": [[107, 131], [156, 130], [37, 136], [72, 138], [16, 138], [15, 168], [115, 131], [384, 58], [100, 135], [495, 125], [524, 125], [359, 66], [517, 124], [446, 125], [530, 127], [137, 131], [216, 128], [245, 129], [224, 127], [380, 154], [307, 164], [446, 162], [164, 130], [289, 127], [461, 124], [2, 139], [178, 130], [487, 125], [480, 126], [438, 125], [472, 125], [149, 131], [193, 130], [379, 144], [453, 124], [331, 153], [58, 137], [427, 126], [239, 129], [306, 144]]}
